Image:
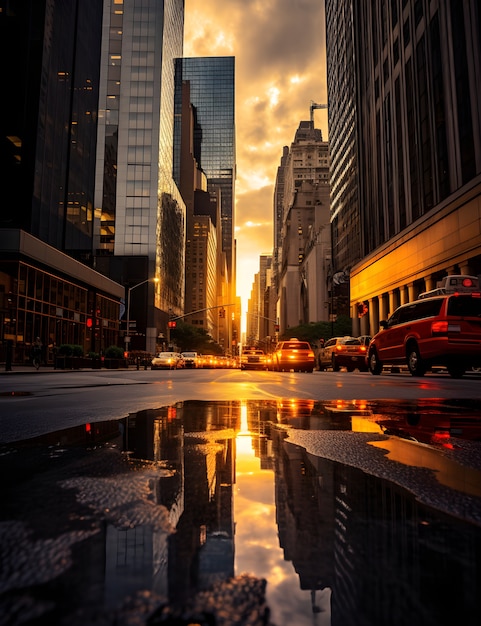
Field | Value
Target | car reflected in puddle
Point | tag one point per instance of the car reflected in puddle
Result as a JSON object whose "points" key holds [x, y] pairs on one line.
{"points": [[250, 512]]}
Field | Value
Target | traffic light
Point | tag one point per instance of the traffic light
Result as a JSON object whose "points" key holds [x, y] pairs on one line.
{"points": [[362, 309], [172, 324], [89, 322]]}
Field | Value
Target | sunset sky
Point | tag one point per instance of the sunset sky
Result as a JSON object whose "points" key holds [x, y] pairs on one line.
{"points": [[279, 47]]}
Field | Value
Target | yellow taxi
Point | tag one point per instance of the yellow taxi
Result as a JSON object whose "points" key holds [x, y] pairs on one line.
{"points": [[293, 354]]}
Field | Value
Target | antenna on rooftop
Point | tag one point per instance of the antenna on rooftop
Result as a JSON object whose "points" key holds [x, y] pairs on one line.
{"points": [[315, 105]]}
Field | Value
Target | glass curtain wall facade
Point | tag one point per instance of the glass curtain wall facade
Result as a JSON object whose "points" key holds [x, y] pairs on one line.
{"points": [[59, 312], [212, 93], [51, 60], [51, 73], [142, 214]]}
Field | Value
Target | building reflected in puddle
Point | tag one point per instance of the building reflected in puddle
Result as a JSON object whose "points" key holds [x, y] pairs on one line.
{"points": [[306, 495]]}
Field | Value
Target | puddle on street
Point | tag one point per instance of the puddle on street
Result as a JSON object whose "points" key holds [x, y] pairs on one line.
{"points": [[251, 512]]}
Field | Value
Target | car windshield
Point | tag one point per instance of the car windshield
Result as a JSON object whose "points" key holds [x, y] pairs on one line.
{"points": [[350, 341], [296, 346], [188, 354]]}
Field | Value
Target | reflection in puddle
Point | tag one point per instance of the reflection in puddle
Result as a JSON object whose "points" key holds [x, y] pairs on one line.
{"points": [[345, 524], [447, 471]]}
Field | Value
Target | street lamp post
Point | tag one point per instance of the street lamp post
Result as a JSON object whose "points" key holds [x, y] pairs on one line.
{"points": [[127, 336]]}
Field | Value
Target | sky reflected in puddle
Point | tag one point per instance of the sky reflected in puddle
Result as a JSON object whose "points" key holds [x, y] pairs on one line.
{"points": [[352, 512]]}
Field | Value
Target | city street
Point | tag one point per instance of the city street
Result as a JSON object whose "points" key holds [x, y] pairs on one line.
{"points": [[39, 402]]}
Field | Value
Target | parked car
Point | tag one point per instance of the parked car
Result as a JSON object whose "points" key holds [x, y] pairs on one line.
{"points": [[345, 351], [226, 362], [167, 360], [294, 355], [253, 359], [209, 361], [270, 361], [190, 359], [438, 331], [365, 339]]}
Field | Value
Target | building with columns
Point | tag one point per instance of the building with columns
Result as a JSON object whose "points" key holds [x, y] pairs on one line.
{"points": [[406, 153]]}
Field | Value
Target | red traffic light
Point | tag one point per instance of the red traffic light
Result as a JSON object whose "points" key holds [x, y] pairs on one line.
{"points": [[172, 324], [89, 322]]}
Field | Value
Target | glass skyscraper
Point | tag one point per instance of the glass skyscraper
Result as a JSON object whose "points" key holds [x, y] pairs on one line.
{"points": [[49, 120], [50, 69], [212, 93], [141, 225]]}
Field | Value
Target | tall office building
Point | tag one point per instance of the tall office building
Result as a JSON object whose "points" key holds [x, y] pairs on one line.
{"points": [[212, 93], [343, 146], [407, 150], [140, 232], [278, 212], [260, 324], [50, 60], [49, 120], [302, 206]]}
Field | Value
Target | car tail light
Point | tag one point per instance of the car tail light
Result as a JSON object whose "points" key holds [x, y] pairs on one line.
{"points": [[340, 347], [444, 327], [363, 348], [310, 355]]}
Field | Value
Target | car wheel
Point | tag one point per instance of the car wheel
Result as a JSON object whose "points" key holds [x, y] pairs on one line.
{"points": [[415, 363], [335, 365], [374, 364]]}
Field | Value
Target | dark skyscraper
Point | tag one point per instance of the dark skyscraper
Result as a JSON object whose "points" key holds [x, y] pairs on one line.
{"points": [[212, 93], [405, 140], [51, 65]]}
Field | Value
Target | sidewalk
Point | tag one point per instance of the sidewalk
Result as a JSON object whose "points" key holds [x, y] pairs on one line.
{"points": [[44, 369]]}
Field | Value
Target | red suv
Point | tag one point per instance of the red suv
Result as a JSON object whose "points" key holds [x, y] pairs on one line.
{"points": [[442, 330]]}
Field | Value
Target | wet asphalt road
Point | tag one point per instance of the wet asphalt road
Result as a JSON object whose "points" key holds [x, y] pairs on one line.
{"points": [[77, 495], [33, 403]]}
